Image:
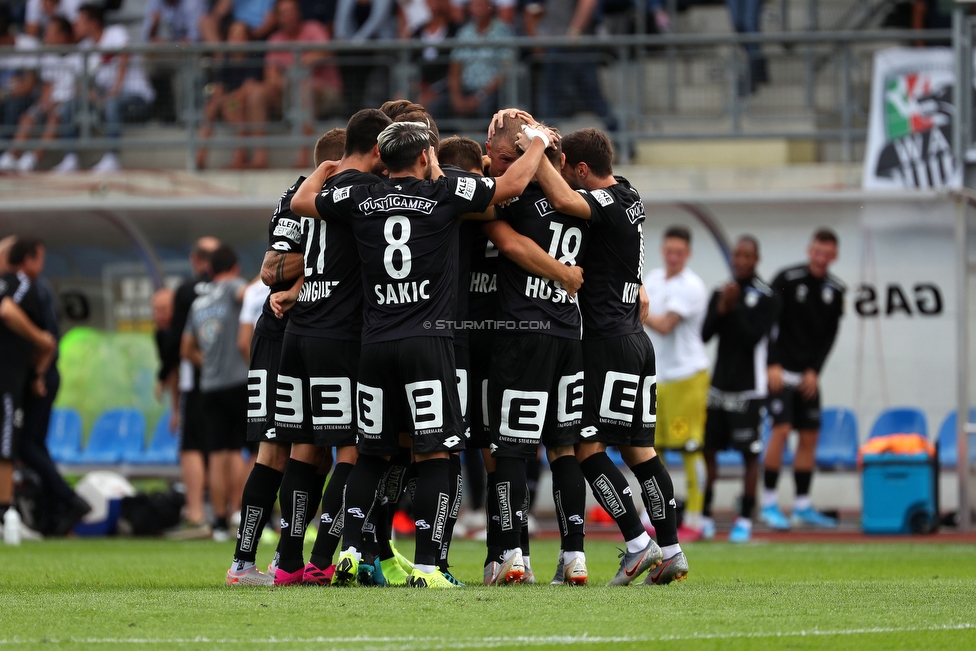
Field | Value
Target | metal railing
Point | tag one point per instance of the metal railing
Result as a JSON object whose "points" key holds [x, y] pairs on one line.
{"points": [[674, 87]]}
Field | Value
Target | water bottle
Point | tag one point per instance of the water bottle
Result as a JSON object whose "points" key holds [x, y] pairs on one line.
{"points": [[11, 527]]}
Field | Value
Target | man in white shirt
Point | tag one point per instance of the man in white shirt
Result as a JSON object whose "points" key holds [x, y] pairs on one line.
{"points": [[678, 301], [122, 89]]}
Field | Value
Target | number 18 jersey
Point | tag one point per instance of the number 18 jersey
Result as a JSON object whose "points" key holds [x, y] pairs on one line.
{"points": [[407, 233], [531, 304]]}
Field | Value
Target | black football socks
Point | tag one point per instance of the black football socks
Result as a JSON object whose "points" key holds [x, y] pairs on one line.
{"points": [[569, 495], [613, 493], [257, 501], [330, 524]]}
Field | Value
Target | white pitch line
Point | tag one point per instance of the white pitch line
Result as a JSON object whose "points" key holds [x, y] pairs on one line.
{"points": [[400, 643]]}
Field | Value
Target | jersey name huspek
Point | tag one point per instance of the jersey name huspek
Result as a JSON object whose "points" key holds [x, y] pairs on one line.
{"points": [[524, 297], [406, 231], [609, 297], [330, 302]]}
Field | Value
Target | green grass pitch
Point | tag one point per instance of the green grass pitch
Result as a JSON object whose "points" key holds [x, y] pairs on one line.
{"points": [[83, 594]]}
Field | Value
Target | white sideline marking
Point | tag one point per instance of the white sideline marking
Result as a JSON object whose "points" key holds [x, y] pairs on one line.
{"points": [[398, 643]]}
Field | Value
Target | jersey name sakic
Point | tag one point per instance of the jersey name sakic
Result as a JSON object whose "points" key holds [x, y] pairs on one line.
{"points": [[406, 230]]}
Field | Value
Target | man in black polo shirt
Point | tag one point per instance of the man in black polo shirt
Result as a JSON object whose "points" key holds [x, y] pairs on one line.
{"points": [[20, 339], [740, 314], [406, 231], [811, 304], [619, 403]]}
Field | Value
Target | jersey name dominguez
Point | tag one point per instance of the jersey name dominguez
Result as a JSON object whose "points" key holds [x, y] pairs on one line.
{"points": [[407, 233], [528, 303], [330, 303], [609, 297]]}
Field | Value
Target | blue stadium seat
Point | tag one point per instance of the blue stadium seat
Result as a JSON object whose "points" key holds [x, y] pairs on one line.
{"points": [[948, 453], [64, 435], [163, 448], [837, 444], [900, 420], [672, 458], [116, 433]]}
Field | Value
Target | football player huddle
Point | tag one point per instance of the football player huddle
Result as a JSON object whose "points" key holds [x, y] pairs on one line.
{"points": [[427, 299]]}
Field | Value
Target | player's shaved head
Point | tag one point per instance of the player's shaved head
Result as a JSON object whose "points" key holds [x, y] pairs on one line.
{"points": [[330, 146], [592, 147], [460, 152], [508, 132], [401, 143]]}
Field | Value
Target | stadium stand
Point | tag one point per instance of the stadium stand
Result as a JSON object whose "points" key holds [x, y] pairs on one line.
{"points": [[837, 446], [900, 420], [114, 437], [64, 435]]}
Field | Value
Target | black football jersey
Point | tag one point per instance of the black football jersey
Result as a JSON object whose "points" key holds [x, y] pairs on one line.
{"points": [[483, 275], [528, 303], [743, 332], [466, 233], [609, 297], [407, 233], [284, 236], [331, 301], [810, 312], [14, 350]]}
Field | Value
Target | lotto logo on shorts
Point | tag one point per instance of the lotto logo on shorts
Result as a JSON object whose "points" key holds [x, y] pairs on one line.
{"points": [[523, 414], [426, 404], [370, 412]]}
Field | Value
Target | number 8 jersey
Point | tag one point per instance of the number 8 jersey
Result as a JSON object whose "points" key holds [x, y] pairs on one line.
{"points": [[528, 303], [407, 234]]}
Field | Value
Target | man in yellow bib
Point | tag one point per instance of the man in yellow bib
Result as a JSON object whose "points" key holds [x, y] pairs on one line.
{"points": [[678, 301]]}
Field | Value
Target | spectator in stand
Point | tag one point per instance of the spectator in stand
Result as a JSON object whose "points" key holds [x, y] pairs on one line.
{"points": [[477, 72], [360, 21], [172, 21], [932, 14], [320, 10], [54, 108], [411, 16], [255, 17], [122, 90], [745, 16], [18, 76], [434, 63], [40, 12], [321, 92], [506, 9], [237, 79], [569, 79]]}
